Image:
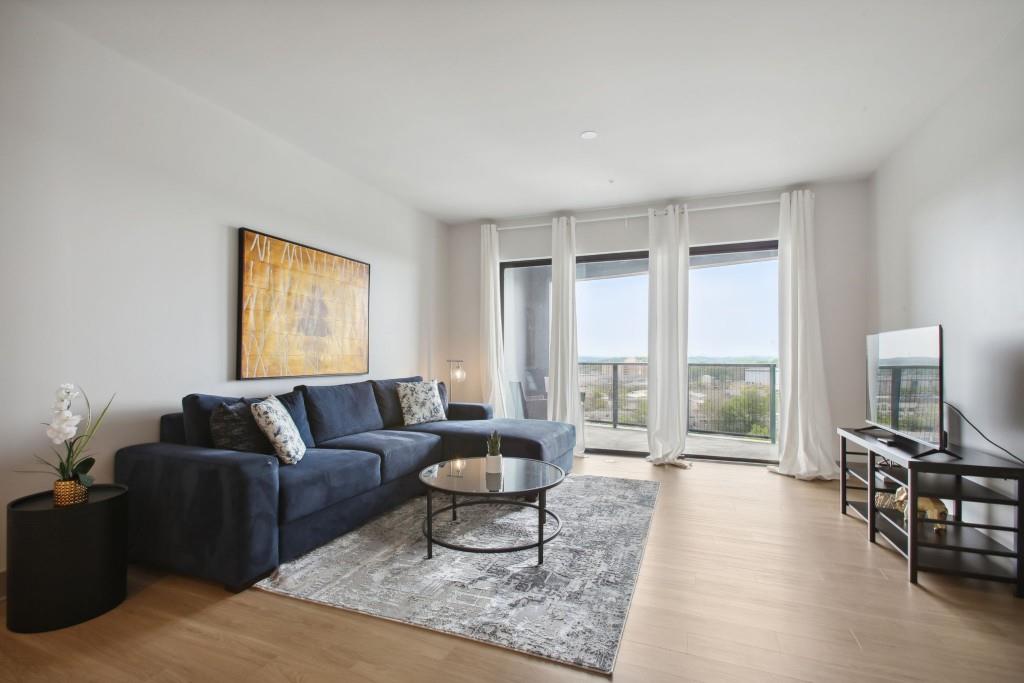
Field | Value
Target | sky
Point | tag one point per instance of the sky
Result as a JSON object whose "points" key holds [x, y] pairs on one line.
{"points": [[733, 312]]}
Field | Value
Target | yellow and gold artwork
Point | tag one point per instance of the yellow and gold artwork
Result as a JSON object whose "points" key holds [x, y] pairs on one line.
{"points": [[301, 311]]}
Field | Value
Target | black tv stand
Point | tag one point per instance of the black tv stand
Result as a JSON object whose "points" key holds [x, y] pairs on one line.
{"points": [[954, 474], [936, 451], [903, 444]]}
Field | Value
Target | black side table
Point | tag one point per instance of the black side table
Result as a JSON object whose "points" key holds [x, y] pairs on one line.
{"points": [[65, 565]]}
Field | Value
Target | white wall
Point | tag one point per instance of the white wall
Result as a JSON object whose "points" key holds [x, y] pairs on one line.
{"points": [[842, 226], [949, 244], [120, 195]]}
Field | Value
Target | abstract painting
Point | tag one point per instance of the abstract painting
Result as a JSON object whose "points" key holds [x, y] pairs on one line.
{"points": [[301, 311]]}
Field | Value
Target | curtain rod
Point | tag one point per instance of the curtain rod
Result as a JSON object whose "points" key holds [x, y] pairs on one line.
{"points": [[644, 215]]}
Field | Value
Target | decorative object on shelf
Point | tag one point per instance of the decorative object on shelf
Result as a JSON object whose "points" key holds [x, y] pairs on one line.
{"points": [[494, 453], [301, 310], [928, 508], [457, 375], [884, 499], [931, 509], [73, 461]]}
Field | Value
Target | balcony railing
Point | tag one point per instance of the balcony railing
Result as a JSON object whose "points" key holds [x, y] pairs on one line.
{"points": [[728, 399]]}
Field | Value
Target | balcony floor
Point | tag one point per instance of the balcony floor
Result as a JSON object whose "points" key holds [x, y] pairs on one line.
{"points": [[634, 439]]}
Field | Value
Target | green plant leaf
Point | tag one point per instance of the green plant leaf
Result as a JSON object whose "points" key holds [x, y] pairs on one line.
{"points": [[85, 465], [93, 426], [85, 479], [47, 463]]}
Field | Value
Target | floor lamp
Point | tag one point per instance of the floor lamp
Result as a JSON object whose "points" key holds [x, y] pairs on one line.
{"points": [[456, 374]]}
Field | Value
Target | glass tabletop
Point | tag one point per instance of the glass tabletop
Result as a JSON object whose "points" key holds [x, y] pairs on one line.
{"points": [[469, 476]]}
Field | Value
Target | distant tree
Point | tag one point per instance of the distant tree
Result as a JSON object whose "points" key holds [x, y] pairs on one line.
{"points": [[747, 412]]}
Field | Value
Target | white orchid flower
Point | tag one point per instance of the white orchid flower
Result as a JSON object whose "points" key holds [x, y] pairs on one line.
{"points": [[63, 427]]}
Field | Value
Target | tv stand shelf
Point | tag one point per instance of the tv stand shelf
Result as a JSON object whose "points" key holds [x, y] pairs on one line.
{"points": [[963, 548]]}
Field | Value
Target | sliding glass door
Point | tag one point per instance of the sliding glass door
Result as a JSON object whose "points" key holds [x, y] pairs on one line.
{"points": [[611, 320], [733, 351], [733, 348]]}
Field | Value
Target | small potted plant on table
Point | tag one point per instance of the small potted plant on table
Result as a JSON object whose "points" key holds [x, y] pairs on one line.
{"points": [[493, 464], [73, 461]]}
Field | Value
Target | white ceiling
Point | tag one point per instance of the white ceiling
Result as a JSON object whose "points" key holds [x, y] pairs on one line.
{"points": [[471, 109]]}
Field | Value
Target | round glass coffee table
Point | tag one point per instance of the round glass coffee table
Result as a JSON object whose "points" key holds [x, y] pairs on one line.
{"points": [[468, 477]]}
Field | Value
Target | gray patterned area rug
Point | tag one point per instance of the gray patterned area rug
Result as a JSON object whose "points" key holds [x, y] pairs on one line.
{"points": [[571, 610]]}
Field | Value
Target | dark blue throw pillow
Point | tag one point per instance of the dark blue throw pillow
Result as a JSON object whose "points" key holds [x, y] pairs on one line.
{"points": [[295, 404], [341, 410], [386, 393], [442, 391]]}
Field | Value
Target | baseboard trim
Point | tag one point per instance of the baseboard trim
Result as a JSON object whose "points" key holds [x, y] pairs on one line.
{"points": [[688, 456], [726, 459]]}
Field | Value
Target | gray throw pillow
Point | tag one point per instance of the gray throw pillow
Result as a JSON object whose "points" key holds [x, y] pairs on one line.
{"points": [[233, 428], [421, 402]]}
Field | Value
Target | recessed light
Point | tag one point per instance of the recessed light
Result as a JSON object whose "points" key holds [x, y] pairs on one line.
{"points": [[588, 134]]}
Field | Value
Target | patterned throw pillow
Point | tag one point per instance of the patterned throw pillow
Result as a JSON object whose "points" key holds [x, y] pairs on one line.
{"points": [[421, 402], [232, 428], [275, 421]]}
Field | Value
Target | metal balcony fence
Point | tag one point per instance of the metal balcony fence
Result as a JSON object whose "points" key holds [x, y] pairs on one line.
{"points": [[727, 399]]}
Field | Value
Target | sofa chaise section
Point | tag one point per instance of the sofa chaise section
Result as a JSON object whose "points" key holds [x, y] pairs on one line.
{"points": [[536, 439]]}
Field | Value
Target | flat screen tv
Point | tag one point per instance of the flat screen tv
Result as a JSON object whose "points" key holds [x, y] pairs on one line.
{"points": [[905, 384]]}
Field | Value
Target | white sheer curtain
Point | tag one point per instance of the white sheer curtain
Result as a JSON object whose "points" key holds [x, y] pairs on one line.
{"points": [[667, 301], [805, 431], [492, 356], [564, 402]]}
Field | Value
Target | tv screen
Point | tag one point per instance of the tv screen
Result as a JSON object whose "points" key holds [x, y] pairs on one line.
{"points": [[905, 383]]}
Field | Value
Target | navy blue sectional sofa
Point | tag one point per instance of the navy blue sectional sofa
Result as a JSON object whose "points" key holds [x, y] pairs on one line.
{"points": [[233, 517]]}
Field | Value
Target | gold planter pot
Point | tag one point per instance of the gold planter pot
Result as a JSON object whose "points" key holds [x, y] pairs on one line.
{"points": [[69, 493]]}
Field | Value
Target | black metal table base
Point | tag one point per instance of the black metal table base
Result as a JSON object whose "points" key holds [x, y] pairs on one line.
{"points": [[542, 514]]}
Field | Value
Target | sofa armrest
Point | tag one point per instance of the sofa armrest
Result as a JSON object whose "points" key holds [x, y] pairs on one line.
{"points": [[205, 512], [470, 411]]}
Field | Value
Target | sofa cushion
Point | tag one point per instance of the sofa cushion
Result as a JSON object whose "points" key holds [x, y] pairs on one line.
{"points": [[537, 439], [386, 393], [401, 452], [341, 410], [324, 477], [295, 404], [172, 428]]}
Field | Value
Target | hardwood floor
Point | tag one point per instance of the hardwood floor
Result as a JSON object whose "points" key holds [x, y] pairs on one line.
{"points": [[747, 576]]}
